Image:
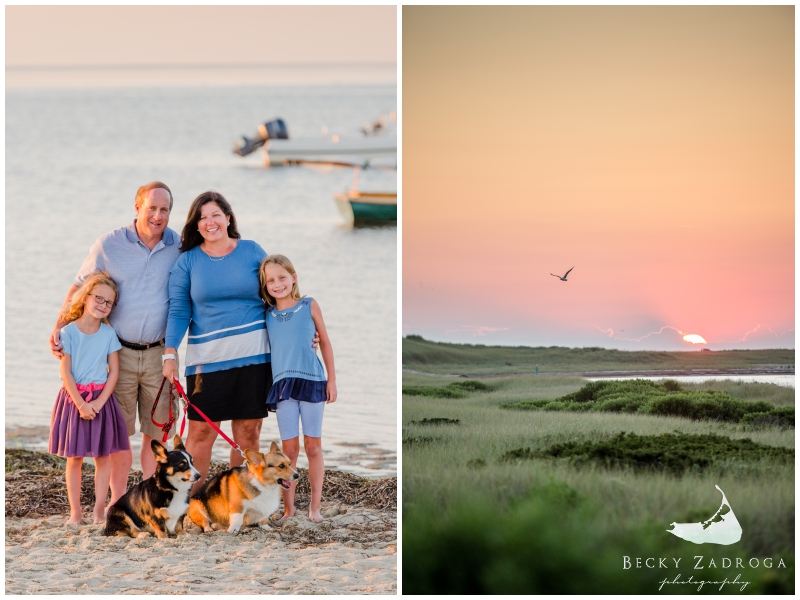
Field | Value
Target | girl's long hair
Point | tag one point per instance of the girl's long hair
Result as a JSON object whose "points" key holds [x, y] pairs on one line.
{"points": [[281, 260], [74, 309], [190, 236]]}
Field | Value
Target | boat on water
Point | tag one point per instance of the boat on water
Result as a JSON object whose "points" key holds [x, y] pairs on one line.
{"points": [[367, 207], [335, 150], [375, 144]]}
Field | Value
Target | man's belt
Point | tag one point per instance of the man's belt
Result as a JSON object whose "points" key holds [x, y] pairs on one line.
{"points": [[133, 346]]}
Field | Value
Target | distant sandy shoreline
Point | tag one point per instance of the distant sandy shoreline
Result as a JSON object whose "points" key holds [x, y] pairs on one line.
{"points": [[638, 373], [680, 373]]}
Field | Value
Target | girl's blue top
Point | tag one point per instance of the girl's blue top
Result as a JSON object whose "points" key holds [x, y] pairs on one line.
{"points": [[297, 371], [89, 352], [218, 301]]}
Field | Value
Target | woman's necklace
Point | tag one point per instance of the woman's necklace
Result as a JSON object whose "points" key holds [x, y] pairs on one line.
{"points": [[218, 258]]}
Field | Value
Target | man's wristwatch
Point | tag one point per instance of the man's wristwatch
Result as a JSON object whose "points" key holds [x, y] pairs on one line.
{"points": [[166, 357]]}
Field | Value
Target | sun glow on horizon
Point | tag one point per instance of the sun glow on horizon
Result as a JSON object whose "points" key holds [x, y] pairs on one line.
{"points": [[693, 338]]}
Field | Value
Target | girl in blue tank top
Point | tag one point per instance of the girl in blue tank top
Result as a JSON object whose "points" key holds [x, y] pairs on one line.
{"points": [[299, 390]]}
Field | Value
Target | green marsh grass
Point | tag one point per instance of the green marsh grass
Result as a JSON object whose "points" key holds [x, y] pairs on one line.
{"points": [[517, 536], [468, 359], [778, 395]]}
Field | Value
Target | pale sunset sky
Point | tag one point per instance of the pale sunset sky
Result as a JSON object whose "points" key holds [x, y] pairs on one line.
{"points": [[107, 44], [650, 147], [206, 35]]}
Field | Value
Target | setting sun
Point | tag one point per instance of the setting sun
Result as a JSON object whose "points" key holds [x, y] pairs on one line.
{"points": [[693, 338]]}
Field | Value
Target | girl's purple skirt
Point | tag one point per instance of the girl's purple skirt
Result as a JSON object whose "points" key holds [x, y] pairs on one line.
{"points": [[71, 436]]}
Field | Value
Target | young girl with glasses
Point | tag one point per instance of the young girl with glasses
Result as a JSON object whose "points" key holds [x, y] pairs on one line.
{"points": [[299, 390], [86, 420]]}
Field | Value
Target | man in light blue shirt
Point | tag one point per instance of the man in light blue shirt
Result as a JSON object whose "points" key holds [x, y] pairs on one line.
{"points": [[138, 258]]}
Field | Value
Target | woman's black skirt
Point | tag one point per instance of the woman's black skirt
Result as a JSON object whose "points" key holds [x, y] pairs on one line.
{"points": [[239, 393]]}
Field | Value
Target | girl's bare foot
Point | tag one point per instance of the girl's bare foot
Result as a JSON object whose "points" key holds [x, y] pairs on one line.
{"points": [[286, 515], [314, 516], [99, 514], [75, 520]]}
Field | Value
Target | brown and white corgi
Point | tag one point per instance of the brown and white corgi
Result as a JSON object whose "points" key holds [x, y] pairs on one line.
{"points": [[245, 495], [157, 504]]}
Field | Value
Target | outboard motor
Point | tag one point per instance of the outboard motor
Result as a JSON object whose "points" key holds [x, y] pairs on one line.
{"points": [[271, 130]]}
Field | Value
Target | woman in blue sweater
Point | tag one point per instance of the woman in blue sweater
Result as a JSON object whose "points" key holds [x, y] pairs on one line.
{"points": [[214, 292]]}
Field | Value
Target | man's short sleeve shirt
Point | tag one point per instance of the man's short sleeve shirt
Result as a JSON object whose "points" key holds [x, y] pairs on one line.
{"points": [[142, 275]]}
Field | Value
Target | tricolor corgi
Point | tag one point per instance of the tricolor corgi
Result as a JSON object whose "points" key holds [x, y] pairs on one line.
{"points": [[245, 495], [156, 505]]}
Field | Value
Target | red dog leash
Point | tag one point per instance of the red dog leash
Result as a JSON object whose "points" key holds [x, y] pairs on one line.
{"points": [[165, 427]]}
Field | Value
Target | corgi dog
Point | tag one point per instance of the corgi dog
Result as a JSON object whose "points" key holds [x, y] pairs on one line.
{"points": [[157, 504], [244, 495]]}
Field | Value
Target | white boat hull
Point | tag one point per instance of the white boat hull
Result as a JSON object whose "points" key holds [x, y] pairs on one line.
{"points": [[345, 151]]}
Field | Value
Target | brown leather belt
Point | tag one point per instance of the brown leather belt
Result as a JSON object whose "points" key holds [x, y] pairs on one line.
{"points": [[133, 346]]}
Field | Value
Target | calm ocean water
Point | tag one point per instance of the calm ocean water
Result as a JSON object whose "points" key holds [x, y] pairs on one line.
{"points": [[782, 380], [74, 159]]}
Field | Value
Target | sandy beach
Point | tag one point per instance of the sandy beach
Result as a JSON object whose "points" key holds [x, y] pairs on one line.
{"points": [[353, 551], [43, 557]]}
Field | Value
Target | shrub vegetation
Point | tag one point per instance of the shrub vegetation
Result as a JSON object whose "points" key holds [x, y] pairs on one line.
{"points": [[419, 440], [675, 453], [663, 399], [457, 389]]}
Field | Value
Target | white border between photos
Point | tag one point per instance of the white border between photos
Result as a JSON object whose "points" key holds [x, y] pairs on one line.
{"points": [[399, 87]]}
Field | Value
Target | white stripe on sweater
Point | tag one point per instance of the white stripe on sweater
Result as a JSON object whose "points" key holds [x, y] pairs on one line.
{"points": [[202, 335], [232, 347]]}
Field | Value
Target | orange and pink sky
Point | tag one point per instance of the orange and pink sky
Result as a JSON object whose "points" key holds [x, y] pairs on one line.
{"points": [[652, 148]]}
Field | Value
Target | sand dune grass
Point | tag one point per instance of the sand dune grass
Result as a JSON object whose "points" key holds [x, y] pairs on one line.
{"points": [[516, 516]]}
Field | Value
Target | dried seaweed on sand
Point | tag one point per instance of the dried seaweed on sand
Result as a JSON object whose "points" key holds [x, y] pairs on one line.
{"points": [[35, 486]]}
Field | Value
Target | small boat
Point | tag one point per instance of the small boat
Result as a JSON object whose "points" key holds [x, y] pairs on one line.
{"points": [[367, 207], [376, 144], [333, 149], [271, 130], [360, 208]]}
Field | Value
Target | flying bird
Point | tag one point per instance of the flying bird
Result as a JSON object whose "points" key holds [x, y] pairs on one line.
{"points": [[564, 278]]}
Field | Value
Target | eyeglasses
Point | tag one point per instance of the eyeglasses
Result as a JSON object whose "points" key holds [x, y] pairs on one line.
{"points": [[101, 300]]}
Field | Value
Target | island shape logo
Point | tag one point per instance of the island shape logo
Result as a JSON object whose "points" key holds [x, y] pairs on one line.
{"points": [[722, 528]]}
